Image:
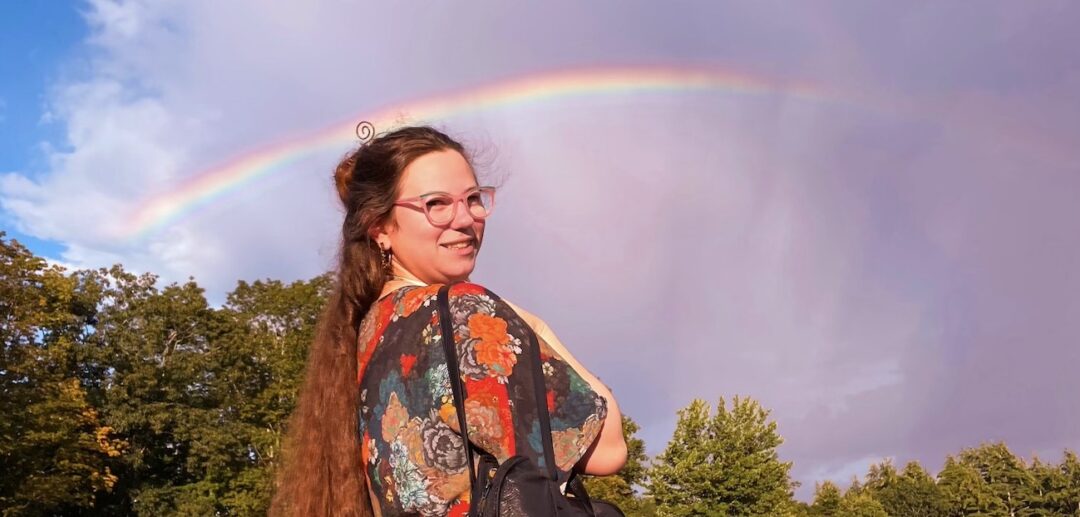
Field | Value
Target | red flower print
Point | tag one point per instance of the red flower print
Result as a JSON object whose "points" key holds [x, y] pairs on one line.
{"points": [[407, 362], [466, 289]]}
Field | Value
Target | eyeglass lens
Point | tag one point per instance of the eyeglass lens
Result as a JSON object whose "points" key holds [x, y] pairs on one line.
{"points": [[440, 208]]}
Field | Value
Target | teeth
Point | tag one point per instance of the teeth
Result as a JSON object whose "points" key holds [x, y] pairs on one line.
{"points": [[458, 245]]}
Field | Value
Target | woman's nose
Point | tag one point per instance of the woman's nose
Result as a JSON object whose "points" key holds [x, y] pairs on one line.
{"points": [[462, 217]]}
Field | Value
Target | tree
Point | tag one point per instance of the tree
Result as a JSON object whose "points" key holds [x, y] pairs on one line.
{"points": [[1057, 486], [827, 499], [988, 480], [725, 464], [156, 392], [120, 398], [964, 490], [911, 493], [260, 374], [861, 504], [619, 488], [1005, 476], [55, 453], [201, 394]]}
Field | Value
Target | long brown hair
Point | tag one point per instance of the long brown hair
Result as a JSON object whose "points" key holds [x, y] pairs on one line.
{"points": [[322, 472]]}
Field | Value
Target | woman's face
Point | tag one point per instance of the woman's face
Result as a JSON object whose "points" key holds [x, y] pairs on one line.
{"points": [[434, 254]]}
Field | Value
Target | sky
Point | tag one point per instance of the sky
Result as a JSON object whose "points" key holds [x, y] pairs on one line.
{"points": [[867, 219]]}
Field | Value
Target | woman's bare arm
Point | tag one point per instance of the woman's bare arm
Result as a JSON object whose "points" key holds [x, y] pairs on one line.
{"points": [[608, 453]]}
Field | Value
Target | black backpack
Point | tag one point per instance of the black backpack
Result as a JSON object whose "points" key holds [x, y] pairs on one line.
{"points": [[517, 487]]}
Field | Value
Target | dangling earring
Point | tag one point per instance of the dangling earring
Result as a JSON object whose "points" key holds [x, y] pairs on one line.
{"points": [[387, 257]]}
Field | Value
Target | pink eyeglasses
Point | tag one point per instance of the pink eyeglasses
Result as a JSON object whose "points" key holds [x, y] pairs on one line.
{"points": [[441, 208]]}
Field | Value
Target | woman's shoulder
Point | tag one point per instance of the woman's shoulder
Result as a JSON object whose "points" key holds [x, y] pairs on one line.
{"points": [[463, 297], [404, 301], [467, 288], [463, 293]]}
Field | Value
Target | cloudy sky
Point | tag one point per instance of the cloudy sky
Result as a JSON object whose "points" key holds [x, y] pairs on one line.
{"points": [[878, 238]]}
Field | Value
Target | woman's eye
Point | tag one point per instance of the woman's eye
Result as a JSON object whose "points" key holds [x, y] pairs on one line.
{"points": [[475, 199], [438, 201]]}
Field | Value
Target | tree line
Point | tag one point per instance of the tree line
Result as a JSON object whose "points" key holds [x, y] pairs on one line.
{"points": [[122, 397]]}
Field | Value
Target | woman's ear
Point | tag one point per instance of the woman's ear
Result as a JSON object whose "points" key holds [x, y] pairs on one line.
{"points": [[381, 236]]}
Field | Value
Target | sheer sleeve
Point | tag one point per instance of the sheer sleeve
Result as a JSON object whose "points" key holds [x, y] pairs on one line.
{"points": [[492, 344]]}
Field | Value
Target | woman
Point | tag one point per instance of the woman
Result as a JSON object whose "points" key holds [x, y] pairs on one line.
{"points": [[375, 432]]}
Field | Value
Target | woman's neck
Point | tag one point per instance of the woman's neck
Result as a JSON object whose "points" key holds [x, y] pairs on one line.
{"points": [[401, 277]]}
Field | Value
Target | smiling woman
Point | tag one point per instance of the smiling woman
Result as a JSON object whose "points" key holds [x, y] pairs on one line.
{"points": [[376, 431], [435, 241]]}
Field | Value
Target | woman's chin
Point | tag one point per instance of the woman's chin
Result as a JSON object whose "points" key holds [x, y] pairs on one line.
{"points": [[459, 274]]}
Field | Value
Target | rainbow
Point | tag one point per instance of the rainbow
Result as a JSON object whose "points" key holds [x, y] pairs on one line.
{"points": [[204, 187]]}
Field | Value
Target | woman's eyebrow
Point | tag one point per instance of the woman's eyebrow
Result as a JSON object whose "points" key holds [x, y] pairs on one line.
{"points": [[470, 189]]}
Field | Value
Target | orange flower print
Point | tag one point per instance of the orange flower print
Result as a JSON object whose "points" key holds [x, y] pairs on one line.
{"points": [[492, 350], [444, 486], [497, 358], [416, 298], [448, 414], [485, 427], [413, 441], [394, 419], [488, 329]]}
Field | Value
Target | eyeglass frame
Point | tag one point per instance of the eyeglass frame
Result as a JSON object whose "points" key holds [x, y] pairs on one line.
{"points": [[464, 198]]}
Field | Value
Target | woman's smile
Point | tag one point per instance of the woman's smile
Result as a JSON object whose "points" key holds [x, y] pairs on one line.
{"points": [[462, 247]]}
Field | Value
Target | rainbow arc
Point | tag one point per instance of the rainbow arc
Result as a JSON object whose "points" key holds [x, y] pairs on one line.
{"points": [[211, 184]]}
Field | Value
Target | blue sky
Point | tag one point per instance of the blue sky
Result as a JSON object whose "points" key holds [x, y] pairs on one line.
{"points": [[38, 40], [887, 263]]}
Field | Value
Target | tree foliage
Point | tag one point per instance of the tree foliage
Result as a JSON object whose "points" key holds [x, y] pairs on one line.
{"points": [[620, 488], [121, 397], [722, 464], [1057, 487], [860, 504], [988, 480], [55, 450], [911, 493], [827, 499]]}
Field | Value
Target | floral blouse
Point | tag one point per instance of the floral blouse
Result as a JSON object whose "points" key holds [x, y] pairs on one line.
{"points": [[411, 447]]}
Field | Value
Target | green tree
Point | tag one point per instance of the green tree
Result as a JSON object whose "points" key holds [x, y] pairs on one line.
{"points": [[861, 504], [157, 393], [1069, 499], [988, 480], [55, 453], [123, 398], [260, 374], [724, 464], [911, 493], [620, 488], [201, 394], [1057, 486], [964, 490], [1005, 475], [827, 499]]}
